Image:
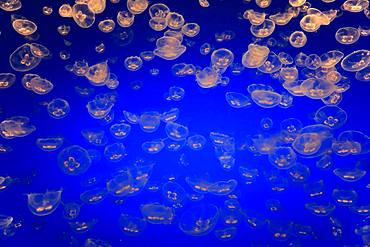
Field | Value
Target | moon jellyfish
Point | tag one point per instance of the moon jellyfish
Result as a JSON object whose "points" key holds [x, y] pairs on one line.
{"points": [[115, 152], [199, 220], [265, 29], [331, 58], [156, 213], [349, 174], [248, 175], [190, 29], [226, 234], [237, 100], [347, 35], [271, 65], [71, 210], [175, 93], [175, 20], [98, 74], [298, 39], [23, 26], [356, 60], [332, 116], [149, 121], [120, 131], [222, 188], [152, 147], [42, 204], [322, 209], [299, 173], [171, 115], [174, 194], [196, 142], [283, 157], [10, 5], [94, 242], [158, 10], [131, 225], [5, 221], [205, 49], [344, 197], [133, 63], [17, 126], [83, 15], [317, 88], [256, 56], [7, 80], [207, 78], [169, 48], [22, 59], [266, 99], [107, 25], [74, 160], [176, 131], [100, 106], [125, 18], [65, 10], [222, 58], [93, 196], [58, 108], [49, 144], [82, 226]]}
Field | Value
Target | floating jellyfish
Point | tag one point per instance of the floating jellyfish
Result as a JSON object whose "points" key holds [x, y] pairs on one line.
{"points": [[196, 142], [125, 18], [344, 197], [349, 174], [174, 194], [156, 213], [93, 242], [266, 99], [248, 175], [49, 144], [93, 196], [158, 23], [58, 108], [7, 80], [120, 130], [171, 115], [190, 29], [175, 93], [312, 61], [331, 58], [198, 185], [107, 25], [281, 19], [317, 88], [347, 35], [83, 15], [254, 17], [10, 5], [310, 23], [263, 30], [23, 59], [176, 132], [222, 188], [199, 220], [120, 185], [355, 6], [5, 221], [40, 86], [98, 74], [256, 56], [82, 226], [356, 60], [74, 160], [71, 210], [298, 39], [332, 116], [152, 147], [266, 123], [23, 26], [317, 209], [222, 58], [17, 126], [283, 157], [42, 204], [137, 6], [133, 63], [205, 49], [207, 78], [115, 152], [237, 100], [147, 55], [169, 48], [158, 10], [149, 121], [175, 20], [65, 10], [271, 65], [100, 106], [299, 173], [95, 137], [131, 225], [226, 234]]}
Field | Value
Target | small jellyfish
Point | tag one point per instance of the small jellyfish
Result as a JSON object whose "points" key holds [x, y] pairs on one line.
{"points": [[263, 3], [82, 226], [356, 60], [5, 221], [190, 29], [345, 197], [226, 234], [176, 132], [131, 225], [349, 174], [266, 99], [83, 15], [106, 26], [158, 10], [74, 160], [115, 152], [207, 78], [263, 30], [332, 116], [266, 123], [222, 188], [237, 100], [22, 59], [283, 157], [149, 121], [175, 93], [205, 49], [98, 74], [42, 204], [152, 147], [120, 131], [298, 39], [156, 213], [222, 58], [7, 80], [317, 88], [125, 18], [65, 10], [93, 196], [171, 115], [175, 20], [196, 142], [347, 35], [17, 126], [133, 63], [58, 108], [71, 210], [199, 220], [23, 26], [174, 194], [322, 209], [271, 65], [49, 144]]}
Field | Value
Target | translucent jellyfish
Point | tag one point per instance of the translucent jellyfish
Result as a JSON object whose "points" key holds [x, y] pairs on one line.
{"points": [[171, 115], [71, 210], [23, 26], [347, 35], [237, 100], [297, 3], [298, 39], [355, 6], [196, 142], [65, 10], [74, 160], [120, 131], [199, 220], [266, 123], [226, 233], [313, 139], [299, 173], [248, 175], [22, 59], [175, 93], [222, 188], [285, 58], [17, 126], [49, 144], [174, 194], [255, 56], [131, 225], [82, 226], [363, 75], [312, 61], [156, 213], [42, 204], [281, 19], [205, 49], [288, 73], [265, 29], [100, 106], [158, 10], [349, 174], [331, 58], [97, 6], [266, 99], [175, 20], [10, 5], [322, 209], [310, 22], [176, 131], [63, 30], [344, 197], [169, 48], [254, 17], [93, 196], [83, 15], [98, 74], [5, 221], [222, 58], [125, 18], [332, 116], [149, 121], [58, 108], [115, 152], [158, 23], [40, 85], [317, 88], [152, 147], [137, 6], [133, 63], [7, 80], [356, 60], [190, 29], [106, 26], [120, 184], [95, 137], [283, 157], [47, 10], [93, 242], [207, 78], [272, 64]]}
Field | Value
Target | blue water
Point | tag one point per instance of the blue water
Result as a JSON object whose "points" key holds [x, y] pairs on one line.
{"points": [[201, 110]]}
